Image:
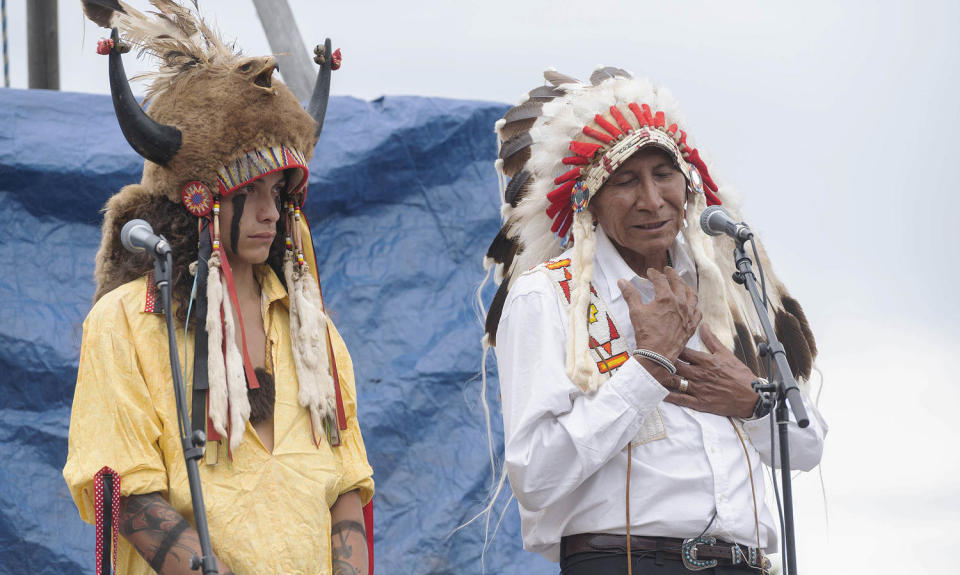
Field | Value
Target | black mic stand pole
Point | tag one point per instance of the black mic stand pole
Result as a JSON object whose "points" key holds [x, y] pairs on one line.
{"points": [[194, 444], [787, 391]]}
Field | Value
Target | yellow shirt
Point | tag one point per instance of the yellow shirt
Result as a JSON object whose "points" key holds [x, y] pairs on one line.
{"points": [[267, 512]]}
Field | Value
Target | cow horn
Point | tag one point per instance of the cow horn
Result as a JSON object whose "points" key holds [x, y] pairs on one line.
{"points": [[156, 142], [317, 107]]}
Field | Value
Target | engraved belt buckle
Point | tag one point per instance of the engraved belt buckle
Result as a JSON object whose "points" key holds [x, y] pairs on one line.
{"points": [[689, 554]]}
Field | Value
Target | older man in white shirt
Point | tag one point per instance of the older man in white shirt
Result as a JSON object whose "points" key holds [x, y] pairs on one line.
{"points": [[666, 438]]}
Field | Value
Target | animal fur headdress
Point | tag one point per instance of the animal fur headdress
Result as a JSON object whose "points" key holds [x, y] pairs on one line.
{"points": [[558, 147], [216, 121]]}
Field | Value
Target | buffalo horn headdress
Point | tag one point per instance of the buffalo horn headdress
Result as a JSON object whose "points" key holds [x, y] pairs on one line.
{"points": [[216, 121]]}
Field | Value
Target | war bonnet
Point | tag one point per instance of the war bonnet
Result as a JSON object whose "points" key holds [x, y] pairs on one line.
{"points": [[558, 147]]}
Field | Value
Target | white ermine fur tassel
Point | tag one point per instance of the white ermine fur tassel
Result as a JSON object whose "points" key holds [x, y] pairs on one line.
{"points": [[216, 371], [580, 366], [308, 335], [236, 380], [712, 290]]}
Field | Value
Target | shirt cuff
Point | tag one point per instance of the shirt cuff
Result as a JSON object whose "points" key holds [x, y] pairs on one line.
{"points": [[637, 387]]}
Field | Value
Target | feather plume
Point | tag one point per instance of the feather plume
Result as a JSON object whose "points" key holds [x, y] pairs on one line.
{"points": [[517, 188], [501, 248], [557, 79], [514, 129], [544, 94], [790, 334], [607, 72], [174, 34], [496, 309]]}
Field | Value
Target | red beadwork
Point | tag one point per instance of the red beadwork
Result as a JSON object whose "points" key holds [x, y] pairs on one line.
{"points": [[104, 46], [337, 60]]}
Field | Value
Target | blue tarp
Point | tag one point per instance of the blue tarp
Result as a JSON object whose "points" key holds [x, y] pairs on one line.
{"points": [[403, 202]]}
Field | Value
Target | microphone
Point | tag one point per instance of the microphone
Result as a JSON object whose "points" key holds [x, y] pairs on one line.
{"points": [[138, 235], [716, 221]]}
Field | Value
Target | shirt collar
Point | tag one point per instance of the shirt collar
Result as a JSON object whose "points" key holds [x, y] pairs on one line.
{"points": [[270, 284], [611, 266]]}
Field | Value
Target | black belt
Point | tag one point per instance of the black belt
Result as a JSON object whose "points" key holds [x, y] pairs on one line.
{"points": [[696, 554]]}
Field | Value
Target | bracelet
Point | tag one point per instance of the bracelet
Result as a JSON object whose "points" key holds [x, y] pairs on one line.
{"points": [[656, 358]]}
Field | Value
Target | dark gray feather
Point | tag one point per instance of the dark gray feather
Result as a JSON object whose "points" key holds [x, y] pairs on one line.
{"points": [[100, 12]]}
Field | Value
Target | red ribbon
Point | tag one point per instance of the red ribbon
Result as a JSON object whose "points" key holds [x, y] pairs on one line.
{"points": [[98, 512]]}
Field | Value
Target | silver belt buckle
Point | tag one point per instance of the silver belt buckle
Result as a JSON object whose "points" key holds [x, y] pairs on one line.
{"points": [[689, 554]]}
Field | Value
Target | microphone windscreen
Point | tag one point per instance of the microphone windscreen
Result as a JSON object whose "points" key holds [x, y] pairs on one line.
{"points": [[129, 229], [705, 224]]}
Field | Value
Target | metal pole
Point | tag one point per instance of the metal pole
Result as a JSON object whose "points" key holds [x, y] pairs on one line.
{"points": [[43, 64], [287, 44], [6, 60]]}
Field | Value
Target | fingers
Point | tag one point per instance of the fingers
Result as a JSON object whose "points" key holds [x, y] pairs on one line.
{"points": [[710, 340], [630, 294], [676, 284], [692, 356], [661, 285], [682, 399]]}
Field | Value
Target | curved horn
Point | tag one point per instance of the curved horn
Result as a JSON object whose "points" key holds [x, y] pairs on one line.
{"points": [[321, 90], [156, 142]]}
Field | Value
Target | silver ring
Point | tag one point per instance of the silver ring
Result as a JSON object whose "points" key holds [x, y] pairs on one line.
{"points": [[684, 385]]}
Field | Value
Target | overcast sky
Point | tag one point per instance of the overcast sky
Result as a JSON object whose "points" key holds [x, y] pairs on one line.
{"points": [[835, 121]]}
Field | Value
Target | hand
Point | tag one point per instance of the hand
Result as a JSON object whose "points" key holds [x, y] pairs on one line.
{"points": [[666, 323], [717, 382]]}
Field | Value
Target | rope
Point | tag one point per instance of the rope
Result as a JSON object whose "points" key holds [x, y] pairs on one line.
{"points": [[6, 60], [629, 461]]}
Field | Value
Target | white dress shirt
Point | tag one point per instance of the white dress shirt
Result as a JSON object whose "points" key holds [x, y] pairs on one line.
{"points": [[566, 450]]}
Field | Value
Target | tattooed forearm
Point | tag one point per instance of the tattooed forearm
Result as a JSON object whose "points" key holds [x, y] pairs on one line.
{"points": [[157, 531], [348, 540]]}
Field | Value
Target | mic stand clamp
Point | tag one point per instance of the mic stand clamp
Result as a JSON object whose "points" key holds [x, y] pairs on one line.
{"points": [[193, 446]]}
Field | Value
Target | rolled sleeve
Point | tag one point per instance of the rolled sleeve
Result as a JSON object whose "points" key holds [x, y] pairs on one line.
{"points": [[356, 473], [113, 422]]}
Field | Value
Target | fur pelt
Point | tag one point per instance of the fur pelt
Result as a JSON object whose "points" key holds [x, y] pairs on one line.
{"points": [[223, 104]]}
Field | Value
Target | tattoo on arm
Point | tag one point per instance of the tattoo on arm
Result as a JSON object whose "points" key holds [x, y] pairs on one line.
{"points": [[154, 528], [344, 562]]}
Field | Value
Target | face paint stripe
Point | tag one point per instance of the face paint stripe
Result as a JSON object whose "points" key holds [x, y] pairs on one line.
{"points": [[238, 202]]}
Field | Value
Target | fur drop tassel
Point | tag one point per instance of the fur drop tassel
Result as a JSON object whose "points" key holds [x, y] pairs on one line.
{"points": [[236, 378], [308, 335], [581, 369], [712, 290], [215, 364]]}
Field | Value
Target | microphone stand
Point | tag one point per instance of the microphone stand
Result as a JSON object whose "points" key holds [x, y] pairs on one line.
{"points": [[193, 445], [783, 384]]}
